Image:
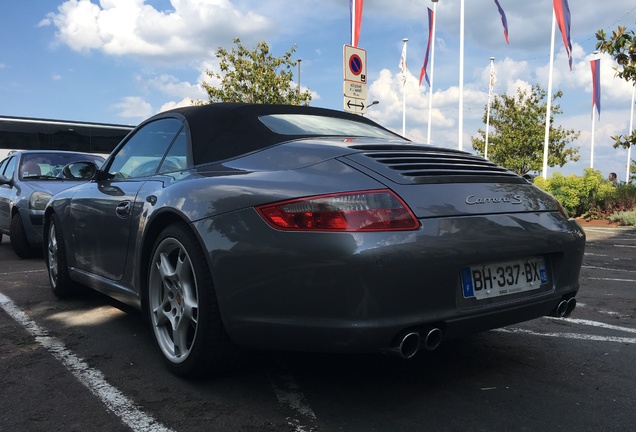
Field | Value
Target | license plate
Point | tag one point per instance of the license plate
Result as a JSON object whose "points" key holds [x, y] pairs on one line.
{"points": [[504, 278]]}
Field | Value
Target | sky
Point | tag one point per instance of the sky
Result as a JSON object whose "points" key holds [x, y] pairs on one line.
{"points": [[121, 61]]}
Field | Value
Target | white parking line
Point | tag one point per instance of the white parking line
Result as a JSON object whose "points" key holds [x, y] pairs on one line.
{"points": [[571, 336], [613, 280], [595, 324], [91, 378], [578, 335], [290, 396], [22, 272], [609, 269], [617, 229]]}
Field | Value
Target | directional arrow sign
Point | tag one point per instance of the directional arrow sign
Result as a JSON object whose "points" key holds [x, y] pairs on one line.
{"points": [[356, 106]]}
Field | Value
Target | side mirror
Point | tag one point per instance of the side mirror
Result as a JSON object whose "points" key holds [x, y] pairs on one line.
{"points": [[4, 180], [85, 170]]}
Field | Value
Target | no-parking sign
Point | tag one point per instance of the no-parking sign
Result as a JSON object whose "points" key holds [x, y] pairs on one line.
{"points": [[355, 64]]}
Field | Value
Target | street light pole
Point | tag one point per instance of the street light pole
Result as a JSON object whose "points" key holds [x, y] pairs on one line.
{"points": [[299, 60]]}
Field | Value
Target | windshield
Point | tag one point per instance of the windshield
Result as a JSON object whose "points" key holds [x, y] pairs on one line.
{"points": [[49, 165], [302, 124]]}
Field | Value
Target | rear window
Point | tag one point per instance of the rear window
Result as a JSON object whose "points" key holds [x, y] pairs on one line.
{"points": [[302, 124]]}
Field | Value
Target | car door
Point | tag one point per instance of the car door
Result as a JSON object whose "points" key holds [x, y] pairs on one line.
{"points": [[106, 212], [7, 192]]}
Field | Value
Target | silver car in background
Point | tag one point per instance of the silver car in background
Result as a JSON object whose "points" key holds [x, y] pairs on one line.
{"points": [[28, 179], [238, 226]]}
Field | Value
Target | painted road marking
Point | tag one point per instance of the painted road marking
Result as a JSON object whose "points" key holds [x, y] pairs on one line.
{"points": [[287, 390], [609, 269], [290, 396], [91, 378], [571, 336], [22, 272], [595, 324], [606, 312], [578, 335], [613, 280]]}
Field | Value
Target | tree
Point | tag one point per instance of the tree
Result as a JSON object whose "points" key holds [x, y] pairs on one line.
{"points": [[517, 132], [622, 47], [254, 77]]}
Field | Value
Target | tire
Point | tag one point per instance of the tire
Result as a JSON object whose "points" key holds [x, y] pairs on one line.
{"points": [[182, 307], [19, 242], [56, 264]]}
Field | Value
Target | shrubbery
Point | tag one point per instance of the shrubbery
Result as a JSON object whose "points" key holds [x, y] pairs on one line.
{"points": [[591, 196]]}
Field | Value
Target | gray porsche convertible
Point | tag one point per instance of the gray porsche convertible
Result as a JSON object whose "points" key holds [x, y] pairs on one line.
{"points": [[238, 226]]}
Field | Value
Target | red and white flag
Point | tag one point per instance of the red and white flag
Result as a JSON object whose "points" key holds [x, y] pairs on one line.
{"points": [[355, 7], [403, 66]]}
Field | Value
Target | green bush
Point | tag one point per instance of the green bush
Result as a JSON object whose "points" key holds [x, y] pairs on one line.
{"points": [[623, 200], [580, 196], [625, 217]]}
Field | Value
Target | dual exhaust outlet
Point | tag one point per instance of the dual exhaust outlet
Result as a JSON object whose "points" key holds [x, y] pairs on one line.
{"points": [[565, 308], [410, 342]]}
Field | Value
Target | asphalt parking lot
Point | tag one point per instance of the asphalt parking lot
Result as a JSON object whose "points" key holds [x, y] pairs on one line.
{"points": [[88, 364]]}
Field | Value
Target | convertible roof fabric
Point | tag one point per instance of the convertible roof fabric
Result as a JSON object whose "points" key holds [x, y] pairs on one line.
{"points": [[225, 130]]}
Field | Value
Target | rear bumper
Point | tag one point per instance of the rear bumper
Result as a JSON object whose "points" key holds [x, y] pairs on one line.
{"points": [[368, 336], [344, 292]]}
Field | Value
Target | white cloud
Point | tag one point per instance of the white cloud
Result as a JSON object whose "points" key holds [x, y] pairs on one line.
{"points": [[133, 106], [172, 86], [191, 29], [185, 102]]}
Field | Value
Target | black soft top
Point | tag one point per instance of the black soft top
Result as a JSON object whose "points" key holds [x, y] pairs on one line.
{"points": [[225, 130]]}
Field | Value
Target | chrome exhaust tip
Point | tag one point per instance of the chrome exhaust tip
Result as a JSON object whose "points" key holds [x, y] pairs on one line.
{"points": [[433, 339], [561, 309], [570, 308], [408, 346]]}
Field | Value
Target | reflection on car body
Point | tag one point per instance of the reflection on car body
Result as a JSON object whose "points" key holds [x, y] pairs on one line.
{"points": [[237, 226]]}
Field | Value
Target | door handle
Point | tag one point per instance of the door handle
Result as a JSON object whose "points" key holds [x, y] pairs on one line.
{"points": [[123, 209]]}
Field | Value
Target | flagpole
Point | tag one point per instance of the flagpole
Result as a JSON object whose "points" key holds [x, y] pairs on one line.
{"points": [[490, 86], [631, 130], [405, 40], [430, 90], [592, 152], [461, 75], [595, 103], [548, 113]]}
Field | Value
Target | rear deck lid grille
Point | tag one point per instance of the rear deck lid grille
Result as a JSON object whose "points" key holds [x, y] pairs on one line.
{"points": [[409, 164]]}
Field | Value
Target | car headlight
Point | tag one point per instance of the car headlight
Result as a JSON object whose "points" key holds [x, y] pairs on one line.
{"points": [[39, 200]]}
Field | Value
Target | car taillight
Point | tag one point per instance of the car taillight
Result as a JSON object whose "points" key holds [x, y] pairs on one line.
{"points": [[559, 207], [375, 210]]}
